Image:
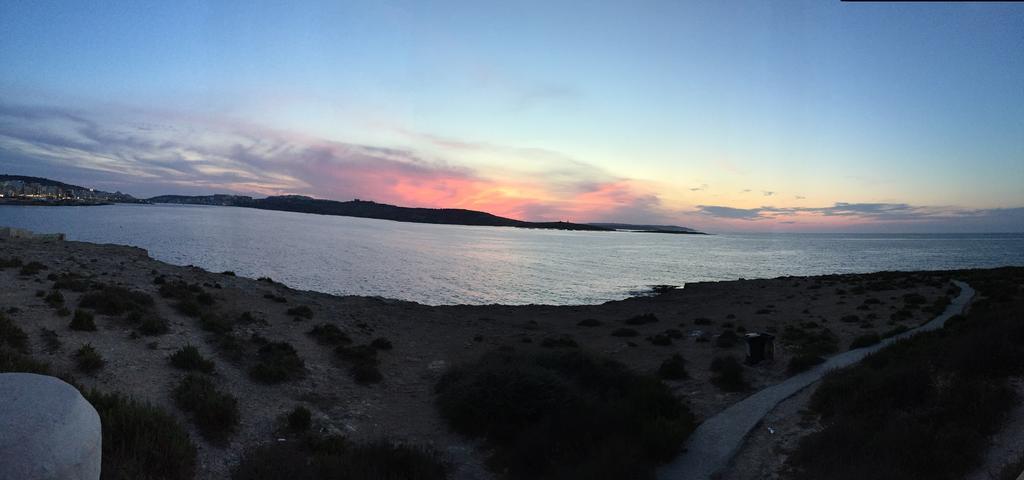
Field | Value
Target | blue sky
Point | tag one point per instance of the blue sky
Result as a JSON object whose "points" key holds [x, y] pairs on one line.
{"points": [[690, 112]]}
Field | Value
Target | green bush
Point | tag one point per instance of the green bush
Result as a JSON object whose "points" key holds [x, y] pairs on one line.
{"points": [[54, 299], [12, 361], [88, 360], [299, 419], [188, 358], [865, 340], [12, 262], [70, 281], [728, 374], [803, 362], [114, 300], [215, 413], [215, 323], [561, 341], [925, 406], [141, 441], [642, 319], [537, 414], [380, 460], [51, 342], [327, 334], [83, 321], [625, 332], [673, 368], [188, 307], [363, 363], [277, 362], [153, 324], [727, 339], [896, 331], [301, 311], [12, 335], [32, 268]]}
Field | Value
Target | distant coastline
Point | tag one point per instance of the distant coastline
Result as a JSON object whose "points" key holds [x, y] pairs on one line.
{"points": [[37, 191]]}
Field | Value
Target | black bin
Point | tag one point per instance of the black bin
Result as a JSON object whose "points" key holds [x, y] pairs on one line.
{"points": [[760, 347]]}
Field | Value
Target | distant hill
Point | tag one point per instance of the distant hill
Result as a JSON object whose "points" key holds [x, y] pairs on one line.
{"points": [[648, 228], [367, 209]]}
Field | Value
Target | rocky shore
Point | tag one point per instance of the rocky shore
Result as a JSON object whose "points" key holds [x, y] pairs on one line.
{"points": [[809, 316]]}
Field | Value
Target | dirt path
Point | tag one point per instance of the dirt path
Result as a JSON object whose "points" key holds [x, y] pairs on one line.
{"points": [[718, 439]]}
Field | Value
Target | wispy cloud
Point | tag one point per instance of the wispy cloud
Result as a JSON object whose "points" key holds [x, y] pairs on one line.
{"points": [[203, 156], [1008, 219]]}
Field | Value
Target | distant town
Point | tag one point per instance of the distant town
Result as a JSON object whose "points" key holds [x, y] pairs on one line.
{"points": [[22, 190]]}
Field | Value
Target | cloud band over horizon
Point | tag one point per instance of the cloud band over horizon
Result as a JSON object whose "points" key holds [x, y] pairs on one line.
{"points": [[146, 154]]}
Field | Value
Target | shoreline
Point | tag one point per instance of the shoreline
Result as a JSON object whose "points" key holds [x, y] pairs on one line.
{"points": [[429, 339]]}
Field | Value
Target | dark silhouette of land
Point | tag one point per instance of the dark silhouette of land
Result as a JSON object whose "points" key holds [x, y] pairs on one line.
{"points": [[23, 190]]}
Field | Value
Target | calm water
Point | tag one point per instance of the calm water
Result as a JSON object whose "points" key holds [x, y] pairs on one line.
{"points": [[440, 264]]}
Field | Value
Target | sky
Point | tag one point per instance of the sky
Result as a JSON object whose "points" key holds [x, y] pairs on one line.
{"points": [[817, 116]]}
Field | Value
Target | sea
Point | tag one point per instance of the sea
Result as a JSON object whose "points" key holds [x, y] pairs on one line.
{"points": [[450, 264]]}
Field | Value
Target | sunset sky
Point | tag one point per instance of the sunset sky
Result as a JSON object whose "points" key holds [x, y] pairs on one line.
{"points": [[725, 116]]}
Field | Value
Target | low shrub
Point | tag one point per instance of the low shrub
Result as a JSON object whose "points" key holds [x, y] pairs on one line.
{"points": [[114, 300], [363, 363], [923, 407], [865, 340], [642, 319], [537, 413], [188, 358], [380, 460], [382, 343], [51, 342], [660, 339], [88, 360], [63, 312], [32, 268], [189, 307], [300, 419], [153, 324], [896, 331], [12, 335], [215, 413], [277, 362], [727, 339], [83, 321], [820, 343], [12, 361], [625, 332], [590, 322], [561, 341], [673, 368], [141, 441], [302, 311], [12, 262], [728, 374], [215, 323], [804, 362], [327, 334], [54, 299], [702, 321], [229, 346]]}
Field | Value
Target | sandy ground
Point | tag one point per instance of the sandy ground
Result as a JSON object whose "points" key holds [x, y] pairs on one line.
{"points": [[427, 339]]}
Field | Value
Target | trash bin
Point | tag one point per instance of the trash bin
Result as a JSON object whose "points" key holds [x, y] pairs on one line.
{"points": [[760, 347]]}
